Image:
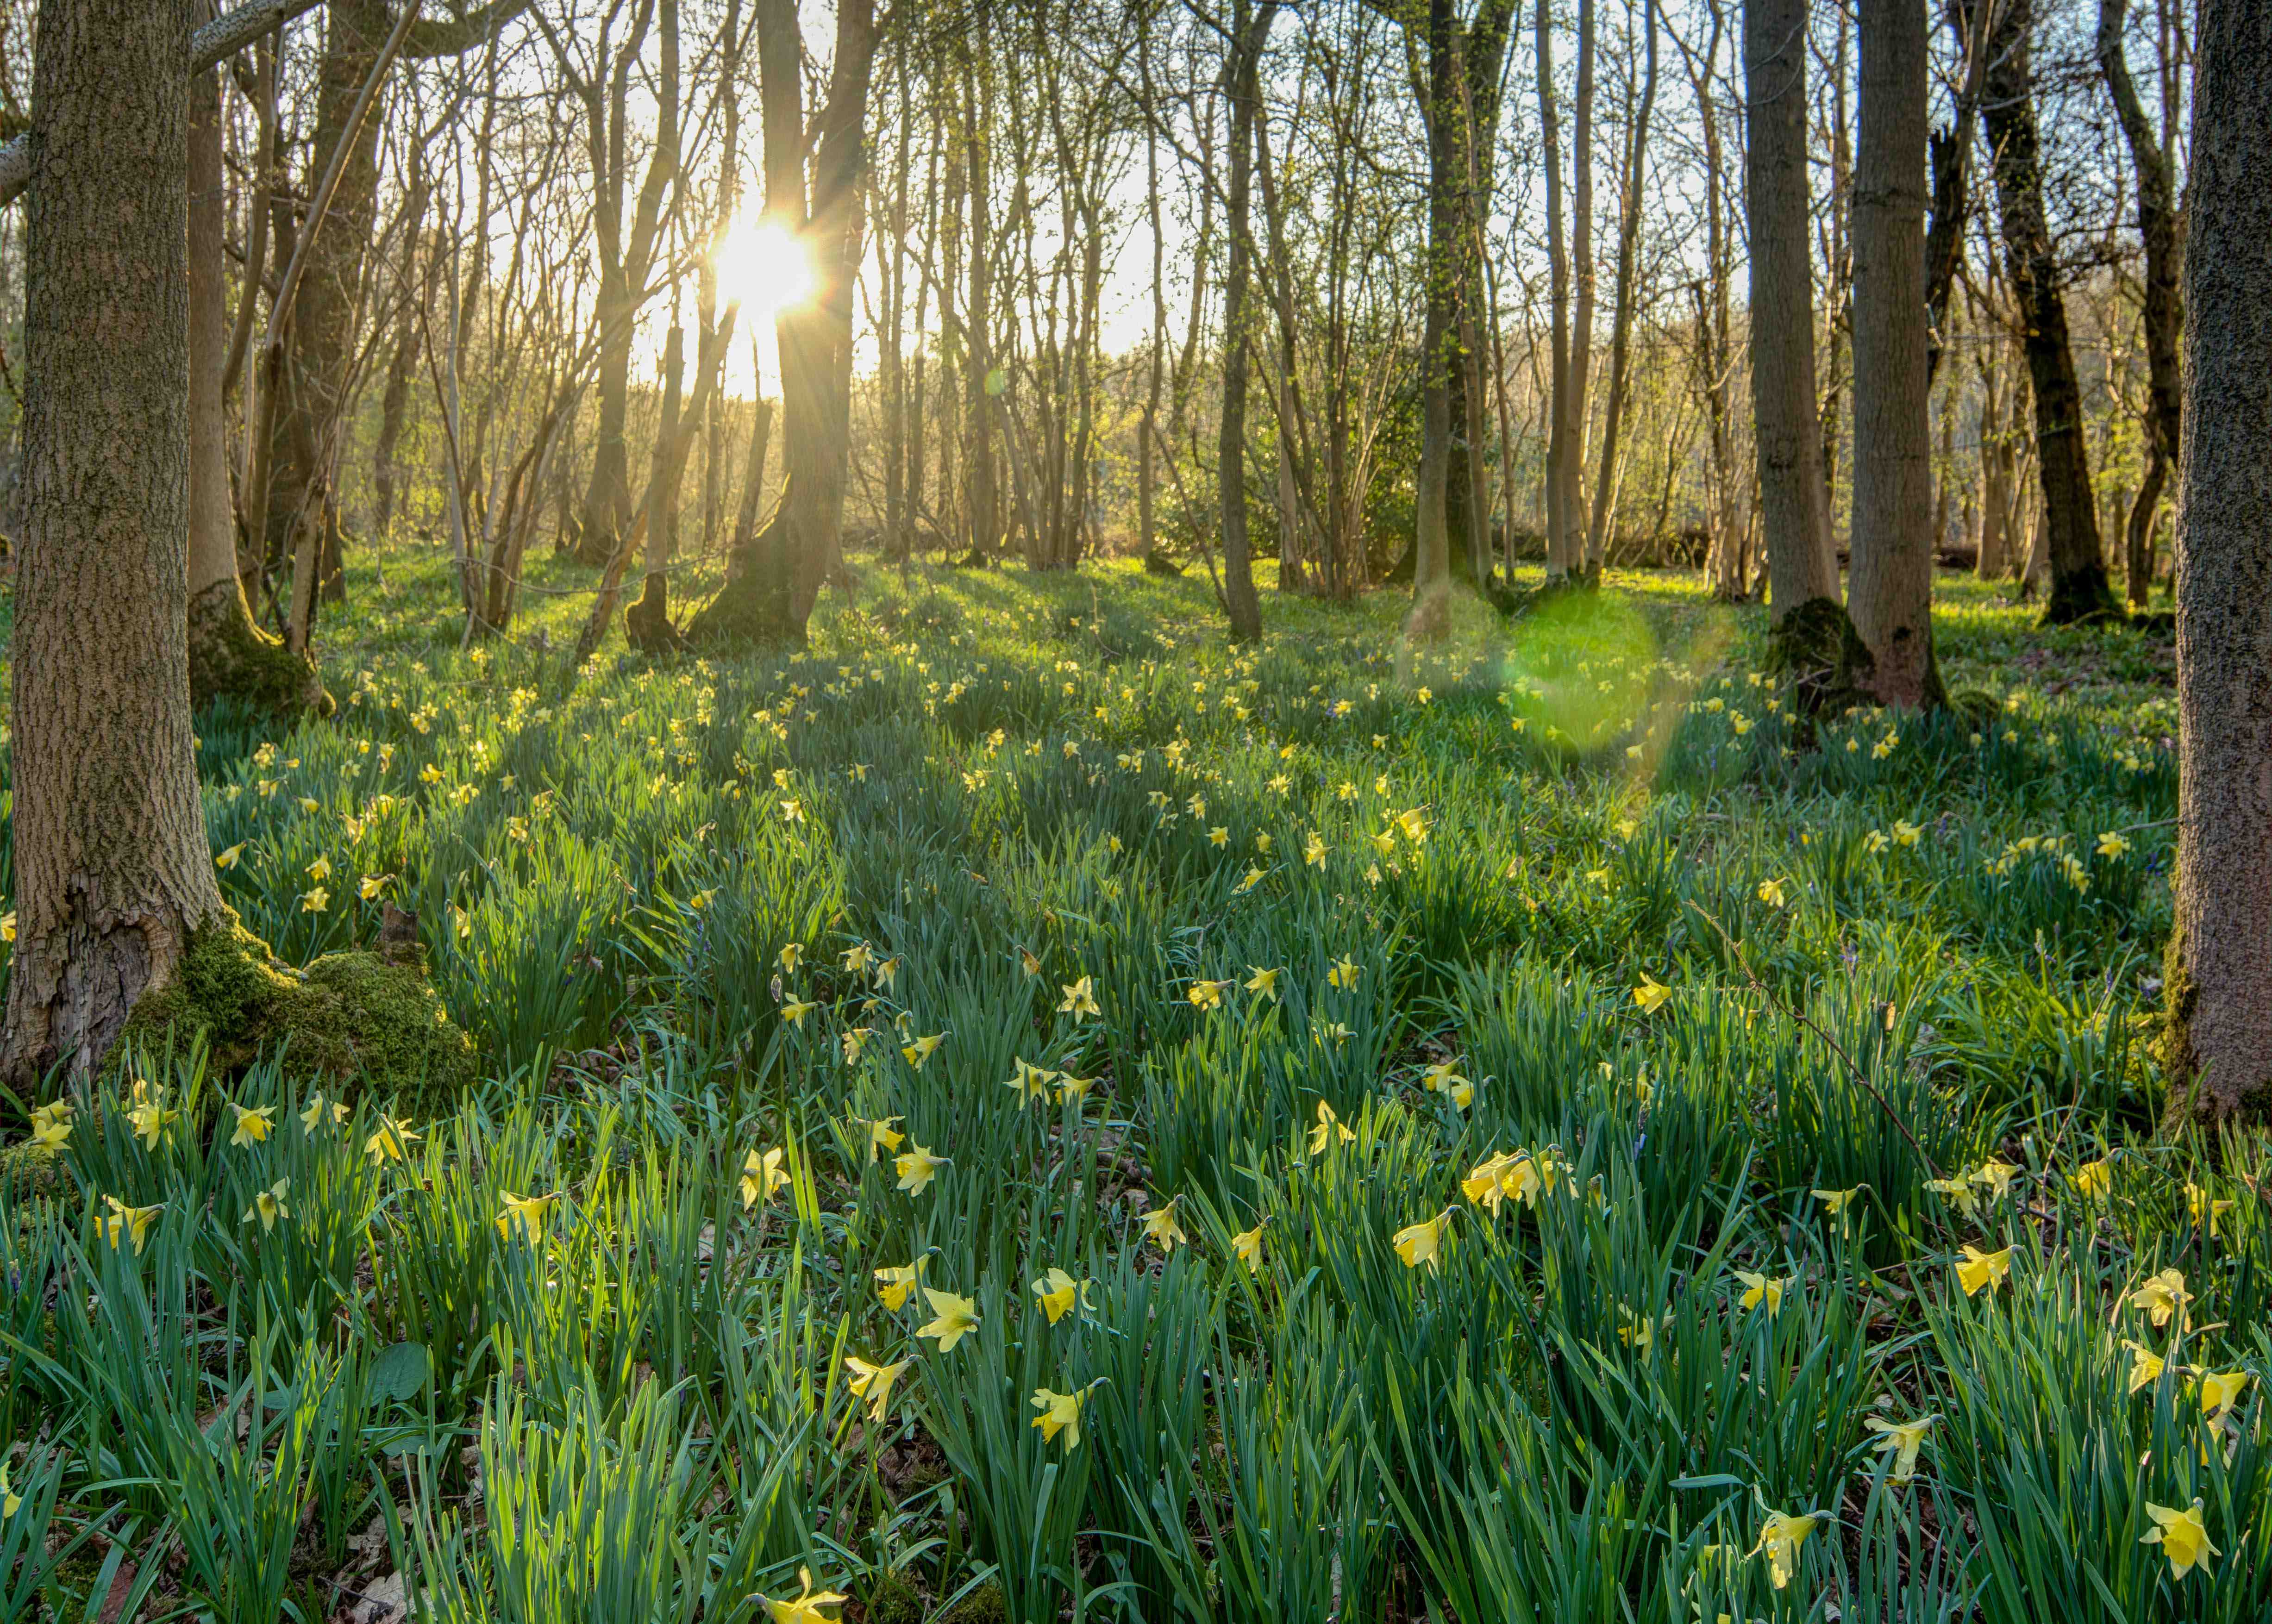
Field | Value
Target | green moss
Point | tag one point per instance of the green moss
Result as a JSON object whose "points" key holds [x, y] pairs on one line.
{"points": [[2180, 994], [349, 1016], [893, 1600], [26, 1168], [2080, 597], [984, 1605], [231, 657]]}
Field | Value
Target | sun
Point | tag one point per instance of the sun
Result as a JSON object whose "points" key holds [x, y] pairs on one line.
{"points": [[761, 264]]}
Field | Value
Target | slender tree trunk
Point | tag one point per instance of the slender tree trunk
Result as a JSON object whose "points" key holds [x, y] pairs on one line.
{"points": [[2079, 590], [1562, 549], [1794, 503], [1578, 428], [2218, 984], [1629, 212], [230, 655], [113, 876], [1892, 599], [1241, 73]]}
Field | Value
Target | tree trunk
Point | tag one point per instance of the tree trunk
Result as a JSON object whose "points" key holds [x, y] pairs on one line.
{"points": [[1621, 320], [2079, 591], [112, 870], [1250, 29], [1891, 602], [1561, 553], [2218, 984], [230, 655], [1794, 503]]}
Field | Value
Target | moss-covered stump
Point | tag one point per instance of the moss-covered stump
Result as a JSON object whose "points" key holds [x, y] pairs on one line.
{"points": [[349, 1016], [647, 623], [231, 657], [1828, 665]]}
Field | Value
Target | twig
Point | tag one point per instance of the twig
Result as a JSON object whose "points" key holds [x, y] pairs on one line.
{"points": [[1808, 1022]]}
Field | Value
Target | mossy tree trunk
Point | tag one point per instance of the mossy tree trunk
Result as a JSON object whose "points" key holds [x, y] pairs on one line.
{"points": [[769, 596], [2219, 979], [1794, 501], [230, 655], [113, 871], [1891, 599]]}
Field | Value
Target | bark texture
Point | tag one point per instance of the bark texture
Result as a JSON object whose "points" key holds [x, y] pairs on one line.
{"points": [[2219, 981], [1249, 30], [2071, 542], [230, 656], [1794, 501], [113, 872], [1891, 600]]}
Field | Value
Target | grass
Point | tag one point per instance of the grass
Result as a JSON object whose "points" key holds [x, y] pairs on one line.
{"points": [[1596, 1164]]}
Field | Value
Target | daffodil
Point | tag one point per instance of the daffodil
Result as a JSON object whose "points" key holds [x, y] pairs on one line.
{"points": [[2205, 1209], [1902, 1440], [795, 1009], [1313, 849], [1032, 1083], [2093, 1180], [253, 1123], [523, 1216], [922, 1049], [1781, 1537], [1651, 993], [1761, 1288], [873, 1383], [1162, 1227], [763, 1176], [1835, 1202], [151, 1118], [1330, 1130], [2164, 1296], [2111, 845], [1264, 982], [1060, 1413], [390, 1140], [1421, 1242], [952, 1318], [2182, 1535], [2145, 1365], [320, 1114], [1072, 1090], [1958, 1191], [1996, 1177], [9, 1498], [1344, 973], [1206, 995], [1771, 893], [882, 1137], [1246, 1245], [894, 1285], [51, 1129], [132, 1222], [1983, 1269], [859, 958], [792, 955], [916, 1168], [1441, 1078], [268, 1206], [2220, 1392], [1059, 1292], [1080, 999], [805, 1607], [1485, 1184]]}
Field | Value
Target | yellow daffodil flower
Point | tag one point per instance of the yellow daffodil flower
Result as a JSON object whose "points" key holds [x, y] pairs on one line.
{"points": [[1651, 993], [523, 1216], [1162, 1227], [1771, 893], [1421, 1242], [953, 1318], [1032, 1081], [795, 1009], [922, 1049], [151, 1119], [1059, 1292], [791, 957], [1207, 994], [1902, 1440], [2205, 1210], [2145, 1365], [1072, 1090], [320, 1114], [1761, 1288], [807, 1606], [1060, 1413], [1958, 1191], [873, 1383], [763, 1176], [2111, 844], [854, 1038], [1313, 849], [2183, 1536], [253, 1123], [916, 1168], [1344, 973], [882, 1137], [1264, 982], [1329, 1130], [2220, 1392], [1835, 1202], [132, 1222], [1996, 1176], [51, 1129], [2164, 1296], [1485, 1184], [1781, 1537], [268, 1206], [893, 1285], [1983, 1269], [2093, 1180], [391, 1139], [1247, 1246], [1080, 999]]}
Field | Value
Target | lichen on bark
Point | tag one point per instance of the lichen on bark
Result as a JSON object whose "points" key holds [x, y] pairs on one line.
{"points": [[232, 658]]}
